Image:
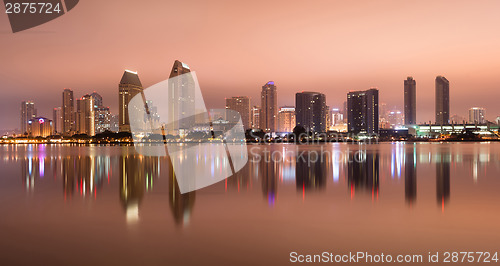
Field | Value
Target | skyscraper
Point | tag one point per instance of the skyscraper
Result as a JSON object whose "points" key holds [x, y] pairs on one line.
{"points": [[442, 101], [410, 109], [28, 112], [269, 107], [311, 111], [68, 116], [57, 120], [363, 111], [476, 115], [129, 86], [336, 117], [255, 115], [241, 105], [96, 98], [286, 119], [85, 116], [181, 100], [102, 119]]}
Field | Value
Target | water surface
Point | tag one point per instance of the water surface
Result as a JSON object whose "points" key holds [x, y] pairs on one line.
{"points": [[102, 205]]}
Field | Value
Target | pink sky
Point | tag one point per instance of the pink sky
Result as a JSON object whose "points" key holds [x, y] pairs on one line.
{"points": [[237, 46]]}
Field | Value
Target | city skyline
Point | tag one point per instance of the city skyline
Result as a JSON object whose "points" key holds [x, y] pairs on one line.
{"points": [[90, 117], [342, 57]]}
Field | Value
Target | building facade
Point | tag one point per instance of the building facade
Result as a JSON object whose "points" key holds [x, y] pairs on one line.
{"points": [[442, 101], [85, 116], [476, 115], [57, 120], [28, 112], [269, 107], [255, 116], [240, 104], [181, 100], [286, 119], [68, 115], [311, 110], [40, 127], [363, 111], [129, 86], [410, 101], [102, 119]]}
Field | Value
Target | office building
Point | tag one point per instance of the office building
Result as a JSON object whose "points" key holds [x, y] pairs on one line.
{"points": [[96, 98], [129, 86], [28, 112], [115, 123], [363, 111], [442, 101], [241, 105], [410, 101], [255, 116], [337, 118], [311, 111], [269, 107], [57, 120], [286, 119], [476, 115], [395, 119], [181, 100], [85, 116], [40, 127], [68, 115], [102, 119]]}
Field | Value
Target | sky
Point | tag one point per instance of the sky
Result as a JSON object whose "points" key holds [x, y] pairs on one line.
{"points": [[235, 47]]}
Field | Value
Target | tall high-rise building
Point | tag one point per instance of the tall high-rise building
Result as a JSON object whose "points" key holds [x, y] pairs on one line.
{"points": [[286, 119], [310, 109], [115, 123], [85, 115], [68, 116], [240, 104], [255, 116], [102, 119], [28, 112], [410, 109], [96, 98], [476, 115], [395, 118], [442, 101], [336, 117], [363, 111], [269, 107], [328, 118], [57, 120], [181, 99], [129, 86]]}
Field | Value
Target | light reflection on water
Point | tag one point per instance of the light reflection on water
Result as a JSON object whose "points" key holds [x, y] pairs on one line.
{"points": [[85, 173], [277, 177]]}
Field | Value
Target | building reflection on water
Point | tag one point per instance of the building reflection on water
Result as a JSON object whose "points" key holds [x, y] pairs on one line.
{"points": [[311, 170], [443, 177], [363, 172], [181, 205], [411, 175], [270, 171], [362, 169]]}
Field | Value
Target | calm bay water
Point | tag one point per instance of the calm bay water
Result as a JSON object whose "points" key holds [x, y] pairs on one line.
{"points": [[84, 205]]}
